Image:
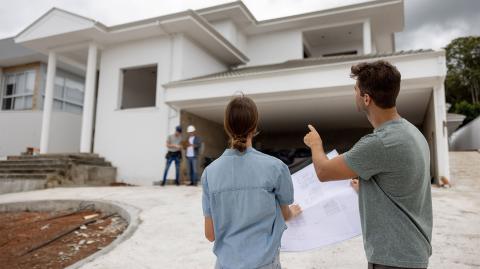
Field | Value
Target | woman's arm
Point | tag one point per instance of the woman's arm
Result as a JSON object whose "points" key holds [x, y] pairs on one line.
{"points": [[209, 232], [290, 212]]}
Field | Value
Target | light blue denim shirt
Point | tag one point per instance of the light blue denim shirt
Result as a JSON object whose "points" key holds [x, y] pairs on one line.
{"points": [[242, 192]]}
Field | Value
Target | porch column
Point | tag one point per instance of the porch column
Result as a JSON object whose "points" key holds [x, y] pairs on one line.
{"points": [[48, 101], [441, 133], [367, 37], [89, 99], [1, 77]]}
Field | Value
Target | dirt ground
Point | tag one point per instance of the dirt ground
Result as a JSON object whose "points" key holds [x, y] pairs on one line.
{"points": [[24, 237]]}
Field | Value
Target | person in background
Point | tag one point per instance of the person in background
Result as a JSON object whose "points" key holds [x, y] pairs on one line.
{"points": [[193, 148], [246, 196], [174, 154]]}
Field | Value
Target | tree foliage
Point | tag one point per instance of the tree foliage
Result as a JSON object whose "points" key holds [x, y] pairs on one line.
{"points": [[462, 83]]}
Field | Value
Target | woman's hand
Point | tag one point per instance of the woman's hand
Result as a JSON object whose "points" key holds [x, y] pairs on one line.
{"points": [[295, 210]]}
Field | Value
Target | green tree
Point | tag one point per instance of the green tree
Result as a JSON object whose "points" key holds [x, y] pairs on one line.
{"points": [[462, 83]]}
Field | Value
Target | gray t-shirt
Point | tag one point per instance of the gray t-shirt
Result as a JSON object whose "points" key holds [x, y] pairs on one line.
{"points": [[176, 140], [395, 201]]}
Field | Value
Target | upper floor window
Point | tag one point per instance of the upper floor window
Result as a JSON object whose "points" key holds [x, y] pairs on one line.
{"points": [[17, 92], [138, 87], [333, 41]]}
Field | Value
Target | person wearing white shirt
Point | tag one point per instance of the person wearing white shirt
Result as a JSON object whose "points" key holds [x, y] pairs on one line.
{"points": [[193, 148]]}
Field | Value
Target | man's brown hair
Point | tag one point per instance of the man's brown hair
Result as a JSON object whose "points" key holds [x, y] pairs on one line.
{"points": [[241, 119], [380, 80]]}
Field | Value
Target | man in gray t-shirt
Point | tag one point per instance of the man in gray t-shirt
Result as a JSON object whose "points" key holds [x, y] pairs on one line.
{"points": [[174, 155], [393, 165]]}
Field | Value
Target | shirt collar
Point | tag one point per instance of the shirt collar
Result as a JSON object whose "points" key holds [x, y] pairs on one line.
{"points": [[387, 123], [233, 152]]}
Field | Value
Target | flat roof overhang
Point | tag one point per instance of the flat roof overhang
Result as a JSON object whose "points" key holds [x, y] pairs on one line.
{"points": [[290, 98], [385, 15], [82, 30]]}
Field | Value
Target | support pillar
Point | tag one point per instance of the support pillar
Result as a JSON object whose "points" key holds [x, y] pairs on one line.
{"points": [[48, 101], [89, 100], [441, 133], [367, 37]]}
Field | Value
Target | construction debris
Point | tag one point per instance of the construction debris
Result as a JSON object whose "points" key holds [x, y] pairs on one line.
{"points": [[38, 240], [90, 216]]}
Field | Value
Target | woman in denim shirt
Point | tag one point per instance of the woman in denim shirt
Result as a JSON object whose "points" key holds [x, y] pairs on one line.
{"points": [[246, 196]]}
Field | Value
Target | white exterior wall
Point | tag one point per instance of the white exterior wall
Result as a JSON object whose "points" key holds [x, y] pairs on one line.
{"points": [[134, 139], [195, 61], [231, 32], [383, 42], [25, 127], [275, 47]]}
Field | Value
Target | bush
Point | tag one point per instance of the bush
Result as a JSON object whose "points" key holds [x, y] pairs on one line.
{"points": [[471, 111]]}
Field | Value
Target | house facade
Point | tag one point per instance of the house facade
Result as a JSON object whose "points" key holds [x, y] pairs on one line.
{"points": [[22, 90], [144, 78]]}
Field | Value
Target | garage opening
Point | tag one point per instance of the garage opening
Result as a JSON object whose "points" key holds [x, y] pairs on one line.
{"points": [[283, 124]]}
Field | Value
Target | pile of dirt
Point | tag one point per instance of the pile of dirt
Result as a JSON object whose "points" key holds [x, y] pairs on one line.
{"points": [[55, 239]]}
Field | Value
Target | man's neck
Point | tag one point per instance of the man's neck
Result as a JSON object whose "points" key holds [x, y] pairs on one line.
{"points": [[378, 116]]}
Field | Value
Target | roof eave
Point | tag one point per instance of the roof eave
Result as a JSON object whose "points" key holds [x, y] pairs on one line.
{"points": [[207, 78]]}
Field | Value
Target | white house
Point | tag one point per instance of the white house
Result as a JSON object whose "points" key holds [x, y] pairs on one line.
{"points": [[22, 90], [183, 68]]}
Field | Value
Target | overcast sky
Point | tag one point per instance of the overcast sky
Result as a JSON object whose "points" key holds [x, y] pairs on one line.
{"points": [[428, 23]]}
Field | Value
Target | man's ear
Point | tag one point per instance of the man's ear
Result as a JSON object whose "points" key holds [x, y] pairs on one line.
{"points": [[367, 100]]}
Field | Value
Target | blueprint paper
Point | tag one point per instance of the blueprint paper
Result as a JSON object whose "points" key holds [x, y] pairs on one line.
{"points": [[330, 212]]}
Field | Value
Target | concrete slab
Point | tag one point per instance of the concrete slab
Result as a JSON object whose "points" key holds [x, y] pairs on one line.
{"points": [[170, 230]]}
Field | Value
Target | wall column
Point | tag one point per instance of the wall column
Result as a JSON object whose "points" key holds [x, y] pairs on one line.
{"points": [[367, 37], [48, 101], [441, 133], [89, 100]]}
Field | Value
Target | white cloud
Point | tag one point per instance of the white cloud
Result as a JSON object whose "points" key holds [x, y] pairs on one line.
{"points": [[433, 36]]}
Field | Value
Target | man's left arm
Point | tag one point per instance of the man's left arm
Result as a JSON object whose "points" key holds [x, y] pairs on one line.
{"points": [[326, 170]]}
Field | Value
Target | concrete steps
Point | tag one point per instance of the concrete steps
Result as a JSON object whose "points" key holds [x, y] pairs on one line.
{"points": [[22, 173]]}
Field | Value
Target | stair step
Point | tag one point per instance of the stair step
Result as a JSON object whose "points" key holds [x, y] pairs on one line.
{"points": [[43, 161], [33, 166], [4, 171], [23, 176], [55, 156]]}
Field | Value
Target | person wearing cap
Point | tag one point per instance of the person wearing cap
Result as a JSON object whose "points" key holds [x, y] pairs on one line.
{"points": [[174, 154], [193, 148]]}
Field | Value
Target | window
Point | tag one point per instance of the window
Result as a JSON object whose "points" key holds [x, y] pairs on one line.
{"points": [[17, 92], [138, 87], [68, 95]]}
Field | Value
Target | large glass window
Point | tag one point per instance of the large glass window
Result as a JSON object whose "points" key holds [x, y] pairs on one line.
{"points": [[68, 95], [17, 92]]}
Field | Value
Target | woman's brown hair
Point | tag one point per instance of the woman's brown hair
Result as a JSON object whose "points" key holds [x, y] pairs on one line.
{"points": [[241, 119]]}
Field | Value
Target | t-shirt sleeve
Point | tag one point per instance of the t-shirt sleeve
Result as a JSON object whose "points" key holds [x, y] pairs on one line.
{"points": [[367, 157], [205, 195], [284, 189]]}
